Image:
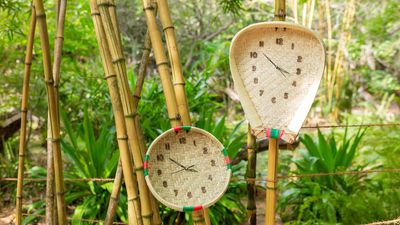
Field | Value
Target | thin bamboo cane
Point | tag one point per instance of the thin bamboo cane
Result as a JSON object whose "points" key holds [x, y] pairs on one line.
{"points": [[134, 206], [51, 202], [173, 52], [270, 200], [52, 102], [112, 205], [162, 63], [24, 112], [251, 175], [136, 97], [125, 93], [59, 40], [271, 182]]}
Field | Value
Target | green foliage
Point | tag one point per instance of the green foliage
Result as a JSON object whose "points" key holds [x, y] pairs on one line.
{"points": [[314, 200], [92, 153]]}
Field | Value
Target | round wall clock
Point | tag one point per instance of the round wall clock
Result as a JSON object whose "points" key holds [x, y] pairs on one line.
{"points": [[187, 169], [276, 68]]}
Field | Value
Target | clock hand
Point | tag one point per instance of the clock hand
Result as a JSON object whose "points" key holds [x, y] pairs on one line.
{"points": [[276, 67], [283, 70], [178, 171], [178, 164]]}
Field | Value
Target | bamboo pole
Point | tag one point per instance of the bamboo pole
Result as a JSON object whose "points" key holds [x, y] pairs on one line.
{"points": [[112, 205], [162, 63], [176, 66], [59, 40], [112, 82], [52, 102], [24, 112], [271, 182], [127, 105], [280, 15], [251, 174]]}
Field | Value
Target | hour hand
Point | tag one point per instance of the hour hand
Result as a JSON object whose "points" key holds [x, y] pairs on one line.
{"points": [[178, 163], [283, 70]]}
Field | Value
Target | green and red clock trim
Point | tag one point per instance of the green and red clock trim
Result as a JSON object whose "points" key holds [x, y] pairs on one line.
{"points": [[274, 133]]}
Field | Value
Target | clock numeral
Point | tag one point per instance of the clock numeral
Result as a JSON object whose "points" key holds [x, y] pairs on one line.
{"points": [[167, 146], [194, 142], [253, 68], [255, 80], [189, 194], [159, 172], [294, 83], [176, 192], [299, 58], [292, 45], [253, 55], [261, 92], [276, 28], [182, 140], [210, 177], [284, 29], [279, 41], [286, 95], [160, 157], [261, 43], [205, 150], [203, 189], [298, 71], [273, 100], [164, 184], [213, 162]]}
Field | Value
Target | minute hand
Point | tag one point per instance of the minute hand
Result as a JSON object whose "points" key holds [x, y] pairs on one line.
{"points": [[282, 71], [271, 61]]}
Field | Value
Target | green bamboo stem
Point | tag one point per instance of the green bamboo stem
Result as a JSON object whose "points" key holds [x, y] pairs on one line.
{"points": [[52, 101], [127, 104], [134, 206], [51, 203], [162, 63], [251, 174], [24, 112], [176, 66]]}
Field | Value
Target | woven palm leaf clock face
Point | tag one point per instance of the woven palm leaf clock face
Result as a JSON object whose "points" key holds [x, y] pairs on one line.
{"points": [[187, 169], [276, 68]]}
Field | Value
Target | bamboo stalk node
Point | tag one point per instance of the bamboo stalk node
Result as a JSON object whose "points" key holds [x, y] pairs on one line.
{"points": [[149, 8], [137, 96], [21, 155], [122, 59], [28, 63], [140, 168], [54, 139], [272, 188], [110, 76], [24, 110], [132, 115], [38, 16], [150, 215], [50, 81], [104, 4], [162, 63], [133, 198], [180, 83], [122, 137], [59, 36], [95, 14], [177, 117], [168, 27]]}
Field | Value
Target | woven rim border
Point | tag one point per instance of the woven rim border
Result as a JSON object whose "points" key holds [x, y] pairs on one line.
{"points": [[187, 208]]}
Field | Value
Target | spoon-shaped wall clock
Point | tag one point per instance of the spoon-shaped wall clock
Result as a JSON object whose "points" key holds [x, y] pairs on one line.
{"points": [[276, 68], [187, 169]]}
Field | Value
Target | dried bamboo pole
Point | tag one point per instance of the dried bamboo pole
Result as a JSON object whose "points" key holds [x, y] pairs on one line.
{"points": [[176, 66], [59, 40], [112, 204], [24, 112], [134, 215], [273, 147], [136, 97], [251, 175], [162, 63], [125, 93], [271, 182], [52, 102]]}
